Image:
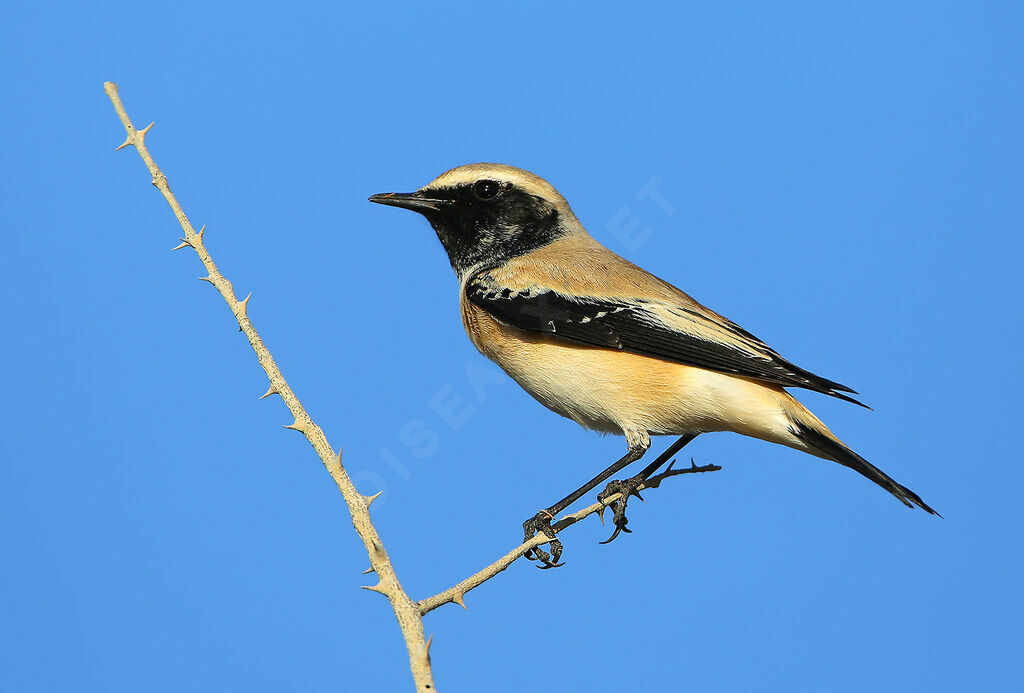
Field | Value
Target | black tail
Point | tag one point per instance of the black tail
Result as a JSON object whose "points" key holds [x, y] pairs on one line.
{"points": [[835, 450]]}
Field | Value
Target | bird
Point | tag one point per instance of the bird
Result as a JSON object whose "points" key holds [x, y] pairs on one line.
{"points": [[603, 342]]}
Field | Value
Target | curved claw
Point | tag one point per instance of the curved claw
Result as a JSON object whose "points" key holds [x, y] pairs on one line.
{"points": [[547, 560], [556, 553], [618, 528], [541, 522], [547, 566], [627, 489]]}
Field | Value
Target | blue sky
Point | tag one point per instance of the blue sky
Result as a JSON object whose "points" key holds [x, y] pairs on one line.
{"points": [[843, 180]]}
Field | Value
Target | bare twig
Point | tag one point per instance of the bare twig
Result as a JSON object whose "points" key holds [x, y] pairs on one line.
{"points": [[406, 610], [457, 593]]}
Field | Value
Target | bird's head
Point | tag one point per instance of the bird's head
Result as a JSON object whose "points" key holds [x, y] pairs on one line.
{"points": [[485, 214]]}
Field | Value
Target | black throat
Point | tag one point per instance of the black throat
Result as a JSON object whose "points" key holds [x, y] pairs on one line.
{"points": [[487, 233]]}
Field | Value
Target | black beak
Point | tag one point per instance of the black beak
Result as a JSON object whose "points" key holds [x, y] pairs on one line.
{"points": [[417, 201]]}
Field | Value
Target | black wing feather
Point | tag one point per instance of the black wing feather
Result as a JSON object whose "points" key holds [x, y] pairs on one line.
{"points": [[628, 326]]}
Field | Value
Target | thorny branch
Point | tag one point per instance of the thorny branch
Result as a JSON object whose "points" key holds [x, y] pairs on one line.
{"points": [[408, 612]]}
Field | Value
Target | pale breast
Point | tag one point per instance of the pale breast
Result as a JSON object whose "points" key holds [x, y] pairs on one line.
{"points": [[601, 389]]}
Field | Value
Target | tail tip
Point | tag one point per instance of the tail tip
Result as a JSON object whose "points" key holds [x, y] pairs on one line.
{"points": [[835, 450]]}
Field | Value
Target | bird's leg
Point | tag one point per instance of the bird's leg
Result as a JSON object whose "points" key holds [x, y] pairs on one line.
{"points": [[631, 486], [541, 522]]}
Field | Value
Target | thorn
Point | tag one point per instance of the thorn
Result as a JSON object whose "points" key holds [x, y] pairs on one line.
{"points": [[425, 655], [183, 244], [270, 391], [297, 426], [127, 141], [369, 570], [201, 232], [243, 305], [457, 599], [369, 499], [141, 134], [205, 279], [600, 514], [376, 588]]}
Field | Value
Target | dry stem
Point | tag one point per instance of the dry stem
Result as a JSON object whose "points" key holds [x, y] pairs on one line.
{"points": [[406, 610]]}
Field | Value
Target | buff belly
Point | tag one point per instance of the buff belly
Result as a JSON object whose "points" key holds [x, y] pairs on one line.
{"points": [[633, 395]]}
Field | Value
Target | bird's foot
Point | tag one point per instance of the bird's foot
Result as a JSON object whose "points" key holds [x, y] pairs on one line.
{"points": [[541, 523], [626, 488]]}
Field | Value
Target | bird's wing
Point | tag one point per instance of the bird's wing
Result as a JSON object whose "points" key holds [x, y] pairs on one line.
{"points": [[662, 322]]}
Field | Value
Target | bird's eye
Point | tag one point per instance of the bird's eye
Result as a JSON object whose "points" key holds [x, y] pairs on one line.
{"points": [[486, 189]]}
